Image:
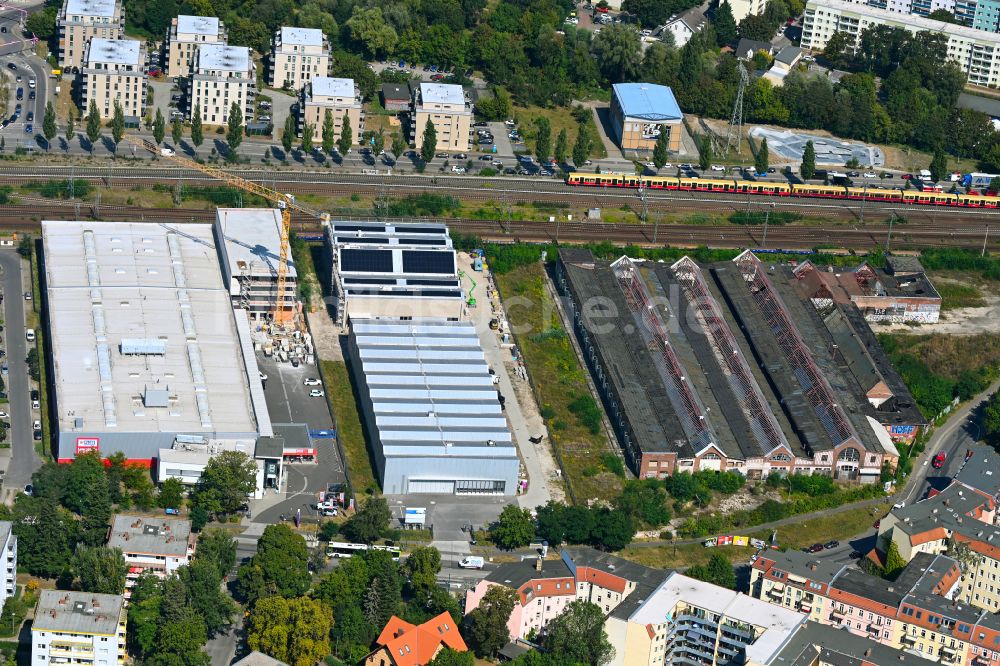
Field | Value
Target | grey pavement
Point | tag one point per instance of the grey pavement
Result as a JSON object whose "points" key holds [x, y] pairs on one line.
{"points": [[789, 146], [24, 461], [448, 515], [161, 91], [28, 66], [281, 107]]}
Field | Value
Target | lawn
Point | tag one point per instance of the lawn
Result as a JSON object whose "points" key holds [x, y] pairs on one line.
{"points": [[560, 118], [560, 383], [838, 526], [340, 395], [955, 295]]}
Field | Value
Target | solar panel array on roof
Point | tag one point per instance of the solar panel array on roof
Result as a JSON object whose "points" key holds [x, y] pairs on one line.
{"points": [[365, 261], [412, 229], [417, 261], [368, 280], [353, 239], [421, 241]]}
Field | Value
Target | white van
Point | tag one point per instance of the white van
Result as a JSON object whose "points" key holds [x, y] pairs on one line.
{"points": [[29, 335], [472, 562]]}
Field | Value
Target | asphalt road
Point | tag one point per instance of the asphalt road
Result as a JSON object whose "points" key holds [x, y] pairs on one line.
{"points": [[28, 66], [24, 459]]}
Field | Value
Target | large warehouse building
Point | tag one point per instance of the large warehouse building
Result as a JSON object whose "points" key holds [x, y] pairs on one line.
{"points": [[146, 349], [386, 270], [729, 368], [433, 417]]}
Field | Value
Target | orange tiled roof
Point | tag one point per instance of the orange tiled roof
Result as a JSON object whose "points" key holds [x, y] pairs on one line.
{"points": [[935, 534], [602, 578], [410, 645]]}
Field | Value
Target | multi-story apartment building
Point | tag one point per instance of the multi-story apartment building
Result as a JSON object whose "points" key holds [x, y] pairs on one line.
{"points": [[976, 52], [79, 21], [692, 623], [79, 628], [156, 545], [448, 110], [185, 35], [221, 76], [114, 71], [341, 97], [248, 240], [546, 587], [298, 56], [8, 561], [920, 612], [821, 645], [745, 8]]}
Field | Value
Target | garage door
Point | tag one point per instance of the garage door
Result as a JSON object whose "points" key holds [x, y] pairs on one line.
{"points": [[431, 487]]}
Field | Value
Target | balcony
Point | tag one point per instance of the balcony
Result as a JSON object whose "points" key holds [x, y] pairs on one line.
{"points": [[907, 639]]}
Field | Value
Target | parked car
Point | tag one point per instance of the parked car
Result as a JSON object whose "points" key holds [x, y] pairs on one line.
{"points": [[939, 460], [472, 562], [816, 548], [29, 490], [830, 545], [316, 393], [486, 158], [28, 129], [870, 174], [311, 381], [437, 77], [715, 167], [30, 117], [20, 94], [442, 155], [31, 94], [12, 66], [37, 434]]}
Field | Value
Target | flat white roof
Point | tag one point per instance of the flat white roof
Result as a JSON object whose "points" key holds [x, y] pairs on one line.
{"points": [[114, 51], [253, 237], [301, 36], [441, 93], [198, 25], [109, 282], [224, 57], [328, 86], [778, 623], [91, 7]]}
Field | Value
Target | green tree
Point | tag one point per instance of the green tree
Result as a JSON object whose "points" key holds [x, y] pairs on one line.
{"points": [[428, 146], [218, 547], [705, 153], [346, 584], [562, 146], [93, 125], [718, 571], [171, 494], [197, 131], [938, 166], [308, 134], [612, 530], [295, 631], [760, 158], [367, 524], [724, 24], [837, 50], [346, 139], [422, 567], [118, 125], [99, 569], [399, 145], [43, 23], [288, 134], [618, 51], [943, 15], [49, 128], [70, 125], [378, 142], [204, 594], [159, 127], [581, 147], [234, 129], [487, 623], [808, 168], [645, 501], [223, 487], [46, 535], [329, 132], [577, 635], [369, 27], [660, 150], [280, 566], [180, 642], [449, 657], [894, 562], [177, 133], [991, 421], [514, 529], [543, 139]]}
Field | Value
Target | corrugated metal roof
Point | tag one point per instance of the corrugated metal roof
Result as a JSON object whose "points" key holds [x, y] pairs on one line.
{"points": [[647, 101]]}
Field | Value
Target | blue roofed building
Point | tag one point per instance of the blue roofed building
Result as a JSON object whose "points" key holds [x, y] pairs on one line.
{"points": [[640, 111]]}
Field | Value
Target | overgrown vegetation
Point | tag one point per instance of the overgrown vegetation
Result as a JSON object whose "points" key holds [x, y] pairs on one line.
{"points": [[340, 395], [78, 188], [778, 217], [955, 295], [939, 368], [424, 204]]}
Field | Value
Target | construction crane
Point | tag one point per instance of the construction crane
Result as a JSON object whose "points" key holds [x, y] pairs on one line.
{"points": [[286, 203]]}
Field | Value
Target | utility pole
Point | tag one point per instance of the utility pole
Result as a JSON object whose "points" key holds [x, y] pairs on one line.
{"points": [[767, 215], [888, 238], [864, 198], [985, 238], [642, 197]]}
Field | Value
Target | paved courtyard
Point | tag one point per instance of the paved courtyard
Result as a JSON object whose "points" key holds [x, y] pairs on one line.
{"points": [[829, 151]]}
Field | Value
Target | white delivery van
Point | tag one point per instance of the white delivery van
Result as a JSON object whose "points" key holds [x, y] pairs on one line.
{"points": [[472, 562]]}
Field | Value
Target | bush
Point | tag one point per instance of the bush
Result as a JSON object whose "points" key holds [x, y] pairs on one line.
{"points": [[759, 217], [586, 410], [434, 205]]}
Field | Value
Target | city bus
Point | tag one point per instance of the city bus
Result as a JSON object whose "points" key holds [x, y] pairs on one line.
{"points": [[342, 549]]}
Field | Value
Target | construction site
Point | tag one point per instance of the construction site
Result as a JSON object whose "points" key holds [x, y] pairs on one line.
{"points": [[730, 366]]}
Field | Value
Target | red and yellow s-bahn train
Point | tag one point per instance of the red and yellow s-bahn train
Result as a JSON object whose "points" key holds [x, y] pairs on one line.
{"points": [[732, 186]]}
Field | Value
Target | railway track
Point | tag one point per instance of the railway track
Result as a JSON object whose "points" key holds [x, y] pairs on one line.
{"points": [[506, 190], [858, 238]]}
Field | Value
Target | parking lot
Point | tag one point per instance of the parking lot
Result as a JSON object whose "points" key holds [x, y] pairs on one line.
{"points": [[288, 401]]}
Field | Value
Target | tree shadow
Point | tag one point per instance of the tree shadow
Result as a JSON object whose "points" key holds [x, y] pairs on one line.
{"points": [[109, 145]]}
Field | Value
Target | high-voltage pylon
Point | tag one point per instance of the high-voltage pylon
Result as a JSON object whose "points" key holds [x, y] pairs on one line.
{"points": [[735, 131]]}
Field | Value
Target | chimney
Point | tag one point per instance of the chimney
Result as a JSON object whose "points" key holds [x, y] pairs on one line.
{"points": [[538, 564]]}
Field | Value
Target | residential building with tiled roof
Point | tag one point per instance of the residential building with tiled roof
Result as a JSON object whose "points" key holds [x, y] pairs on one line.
{"points": [[405, 644]]}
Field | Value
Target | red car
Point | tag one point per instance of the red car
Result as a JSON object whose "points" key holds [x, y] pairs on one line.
{"points": [[906, 176], [939, 460]]}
